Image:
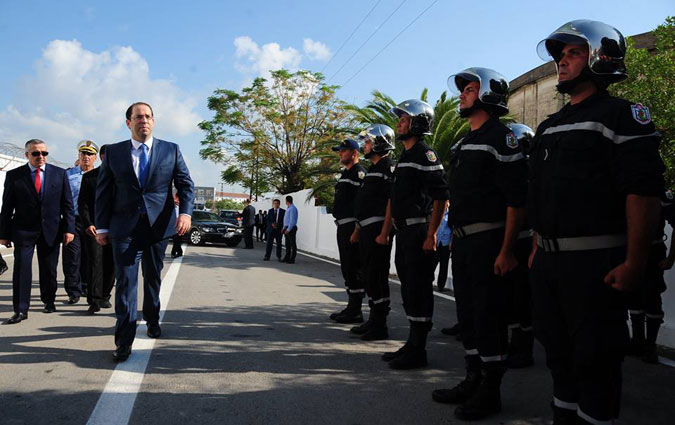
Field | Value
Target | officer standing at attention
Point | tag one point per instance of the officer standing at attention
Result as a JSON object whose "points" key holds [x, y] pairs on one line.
{"points": [[417, 204], [488, 192], [595, 183], [371, 207], [345, 219]]}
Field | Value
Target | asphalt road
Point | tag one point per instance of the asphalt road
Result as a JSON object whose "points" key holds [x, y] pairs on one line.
{"points": [[249, 342]]}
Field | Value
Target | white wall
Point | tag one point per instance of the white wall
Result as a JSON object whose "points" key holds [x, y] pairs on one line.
{"points": [[8, 163]]}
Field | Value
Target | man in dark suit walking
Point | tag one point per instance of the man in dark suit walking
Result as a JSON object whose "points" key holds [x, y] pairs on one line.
{"points": [[258, 226], [248, 221], [135, 212], [37, 207], [275, 221], [99, 267]]}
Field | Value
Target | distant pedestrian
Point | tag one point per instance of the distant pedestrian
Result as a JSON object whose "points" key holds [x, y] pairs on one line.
{"points": [[263, 226], [290, 230], [275, 222], [258, 225], [248, 221]]}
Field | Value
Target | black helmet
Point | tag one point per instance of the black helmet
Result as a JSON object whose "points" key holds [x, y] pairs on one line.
{"points": [[381, 136], [606, 47], [494, 89], [421, 116], [524, 135]]}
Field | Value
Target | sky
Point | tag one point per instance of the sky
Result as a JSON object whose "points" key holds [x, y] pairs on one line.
{"points": [[69, 69]]}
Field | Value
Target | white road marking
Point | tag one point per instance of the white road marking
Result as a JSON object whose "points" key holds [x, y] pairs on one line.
{"points": [[116, 404]]}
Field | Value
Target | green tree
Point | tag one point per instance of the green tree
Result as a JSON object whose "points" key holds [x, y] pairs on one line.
{"points": [[651, 81], [229, 204], [275, 132]]}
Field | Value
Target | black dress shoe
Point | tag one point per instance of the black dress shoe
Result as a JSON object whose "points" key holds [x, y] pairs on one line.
{"points": [[106, 304], [266, 258], [93, 309], [16, 318], [73, 299], [154, 331], [291, 261], [122, 353], [452, 331], [49, 308]]}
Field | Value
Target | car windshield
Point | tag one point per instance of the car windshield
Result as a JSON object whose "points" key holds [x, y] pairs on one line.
{"points": [[205, 216]]}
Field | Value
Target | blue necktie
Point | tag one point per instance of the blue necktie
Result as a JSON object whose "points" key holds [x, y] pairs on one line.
{"points": [[143, 165]]}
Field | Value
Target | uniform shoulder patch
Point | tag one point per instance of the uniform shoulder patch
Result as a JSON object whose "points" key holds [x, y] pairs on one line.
{"points": [[431, 156], [670, 195], [641, 113], [361, 174], [512, 140]]}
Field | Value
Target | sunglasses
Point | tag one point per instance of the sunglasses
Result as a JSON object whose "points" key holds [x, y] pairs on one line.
{"points": [[38, 153], [88, 153]]}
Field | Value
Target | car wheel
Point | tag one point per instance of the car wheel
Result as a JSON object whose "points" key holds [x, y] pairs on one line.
{"points": [[196, 237]]}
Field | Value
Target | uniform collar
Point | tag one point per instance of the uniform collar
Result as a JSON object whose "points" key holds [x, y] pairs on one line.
{"points": [[600, 94], [487, 125]]}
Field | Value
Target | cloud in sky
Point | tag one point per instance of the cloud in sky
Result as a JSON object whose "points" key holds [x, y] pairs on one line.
{"points": [[316, 50], [75, 93]]}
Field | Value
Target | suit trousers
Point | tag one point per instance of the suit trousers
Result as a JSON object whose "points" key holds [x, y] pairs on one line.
{"points": [[350, 262], [48, 258], [248, 237], [291, 247], [442, 258], [100, 271], [273, 235], [74, 263], [128, 254]]}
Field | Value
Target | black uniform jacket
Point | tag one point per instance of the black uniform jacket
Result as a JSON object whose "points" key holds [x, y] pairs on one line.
{"points": [[585, 160], [488, 173], [418, 181], [345, 191], [371, 201], [87, 198]]}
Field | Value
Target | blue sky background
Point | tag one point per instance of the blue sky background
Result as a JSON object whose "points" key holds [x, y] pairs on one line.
{"points": [[69, 69]]}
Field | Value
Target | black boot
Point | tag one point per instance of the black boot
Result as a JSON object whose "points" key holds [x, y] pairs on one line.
{"points": [[564, 416], [637, 344], [352, 314], [337, 313], [378, 329], [416, 356], [520, 349], [465, 389], [649, 354], [391, 355], [363, 327], [486, 400]]}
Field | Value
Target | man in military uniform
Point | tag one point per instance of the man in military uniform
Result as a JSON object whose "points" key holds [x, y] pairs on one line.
{"points": [[595, 182], [416, 206], [74, 256], [645, 303], [371, 207], [488, 192], [343, 210]]}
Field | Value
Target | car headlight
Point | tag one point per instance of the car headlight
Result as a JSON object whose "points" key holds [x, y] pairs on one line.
{"points": [[239, 231], [208, 229]]}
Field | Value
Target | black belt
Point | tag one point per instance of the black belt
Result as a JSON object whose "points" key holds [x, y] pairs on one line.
{"points": [[582, 243], [470, 229], [405, 222]]}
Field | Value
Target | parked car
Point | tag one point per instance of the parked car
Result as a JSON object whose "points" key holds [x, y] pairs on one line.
{"points": [[208, 227], [231, 216]]}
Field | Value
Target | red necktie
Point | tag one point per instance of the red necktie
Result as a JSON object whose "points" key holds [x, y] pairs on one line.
{"points": [[38, 181]]}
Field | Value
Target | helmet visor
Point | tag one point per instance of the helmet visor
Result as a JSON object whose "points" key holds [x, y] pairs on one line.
{"points": [[457, 82]]}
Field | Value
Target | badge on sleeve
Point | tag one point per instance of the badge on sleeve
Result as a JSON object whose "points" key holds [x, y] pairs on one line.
{"points": [[431, 156], [641, 113], [512, 141], [362, 174]]}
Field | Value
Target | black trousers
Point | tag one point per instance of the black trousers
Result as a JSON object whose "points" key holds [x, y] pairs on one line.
{"points": [[100, 271], [248, 237], [375, 260], [581, 322], [442, 257], [350, 263], [74, 263], [520, 314], [480, 295], [22, 277], [273, 235], [176, 248], [415, 269], [259, 232], [291, 247]]}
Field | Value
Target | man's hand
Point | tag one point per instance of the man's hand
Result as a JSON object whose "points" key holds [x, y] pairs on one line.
{"points": [[530, 259], [665, 264], [274, 225], [505, 262], [91, 231], [68, 238], [382, 239], [430, 243], [624, 277], [6, 242], [354, 238], [102, 239], [183, 224]]}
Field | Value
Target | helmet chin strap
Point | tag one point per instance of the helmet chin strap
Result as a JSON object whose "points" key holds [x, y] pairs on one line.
{"points": [[467, 112], [567, 87]]}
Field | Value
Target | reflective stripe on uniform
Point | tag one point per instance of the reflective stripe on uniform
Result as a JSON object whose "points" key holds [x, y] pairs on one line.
{"points": [[381, 300], [470, 229], [420, 167], [356, 291], [654, 316], [471, 352], [589, 419], [582, 243], [635, 312], [370, 220], [349, 181], [381, 175], [565, 404], [493, 151], [497, 358], [419, 319], [345, 220], [525, 234], [600, 128]]}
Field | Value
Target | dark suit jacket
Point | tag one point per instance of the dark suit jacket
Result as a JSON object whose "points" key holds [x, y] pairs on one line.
{"points": [[280, 220], [24, 216], [119, 196], [248, 216], [87, 198]]}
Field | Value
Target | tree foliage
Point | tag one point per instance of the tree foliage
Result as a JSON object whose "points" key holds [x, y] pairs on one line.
{"points": [[651, 81], [275, 134]]}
